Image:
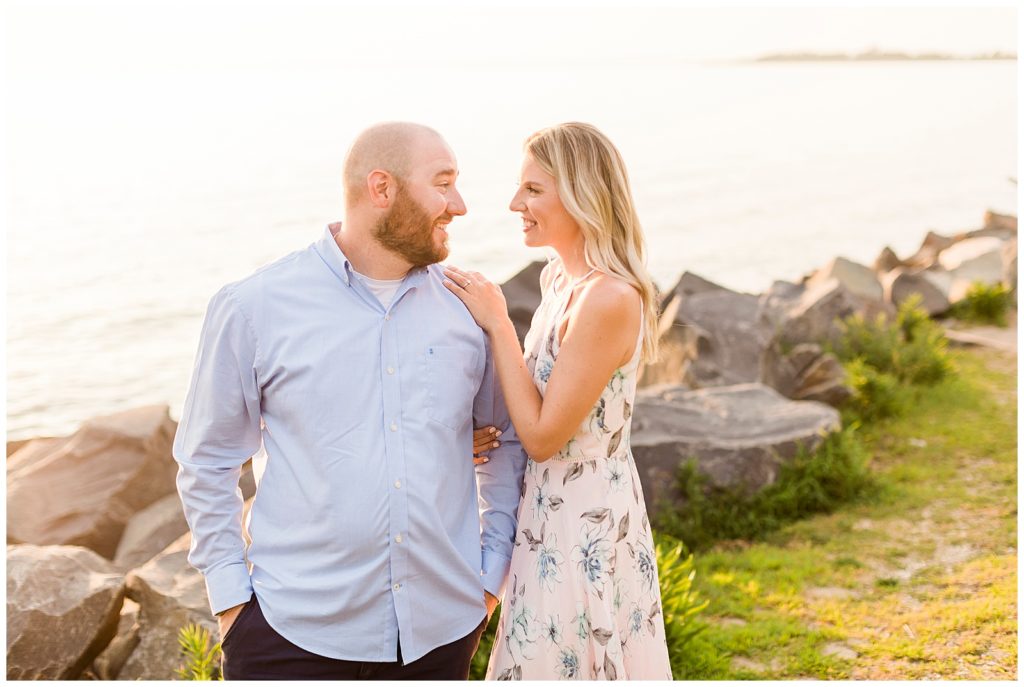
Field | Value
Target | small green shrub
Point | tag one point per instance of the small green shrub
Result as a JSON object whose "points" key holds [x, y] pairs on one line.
{"points": [[984, 304], [876, 394], [809, 483], [202, 662], [913, 349], [679, 602]]}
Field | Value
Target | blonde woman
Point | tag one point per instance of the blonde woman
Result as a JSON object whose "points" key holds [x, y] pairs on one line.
{"points": [[582, 598]]}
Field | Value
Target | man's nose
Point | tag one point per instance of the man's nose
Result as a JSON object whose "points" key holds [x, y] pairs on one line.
{"points": [[456, 206]]}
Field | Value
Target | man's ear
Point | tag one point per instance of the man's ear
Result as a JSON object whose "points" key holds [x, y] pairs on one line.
{"points": [[381, 188]]}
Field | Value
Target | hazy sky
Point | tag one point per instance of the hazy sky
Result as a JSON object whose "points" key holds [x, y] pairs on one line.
{"points": [[47, 37]]}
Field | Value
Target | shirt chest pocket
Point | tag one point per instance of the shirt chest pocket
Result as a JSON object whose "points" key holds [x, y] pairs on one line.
{"points": [[452, 376]]}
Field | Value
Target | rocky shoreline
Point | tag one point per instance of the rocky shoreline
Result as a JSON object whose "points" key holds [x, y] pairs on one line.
{"points": [[98, 583]]}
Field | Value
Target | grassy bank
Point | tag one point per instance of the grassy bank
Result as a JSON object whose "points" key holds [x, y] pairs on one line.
{"points": [[918, 581]]}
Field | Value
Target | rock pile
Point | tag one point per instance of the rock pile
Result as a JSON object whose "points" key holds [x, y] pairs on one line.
{"points": [[98, 581], [94, 518]]}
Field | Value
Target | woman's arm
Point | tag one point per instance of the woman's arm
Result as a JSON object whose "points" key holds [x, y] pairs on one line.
{"points": [[601, 335]]}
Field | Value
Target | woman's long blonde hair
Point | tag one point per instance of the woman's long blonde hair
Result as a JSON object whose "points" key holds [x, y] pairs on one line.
{"points": [[594, 188]]}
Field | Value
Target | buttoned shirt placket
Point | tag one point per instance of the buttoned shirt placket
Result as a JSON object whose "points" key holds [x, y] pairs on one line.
{"points": [[394, 446]]}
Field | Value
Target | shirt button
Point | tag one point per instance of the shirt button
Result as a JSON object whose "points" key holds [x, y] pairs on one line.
{"points": [[397, 587], [387, 317], [394, 427], [391, 370], [398, 539], [398, 484]]}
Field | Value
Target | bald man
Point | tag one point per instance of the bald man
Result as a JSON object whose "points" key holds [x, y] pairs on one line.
{"points": [[376, 550]]}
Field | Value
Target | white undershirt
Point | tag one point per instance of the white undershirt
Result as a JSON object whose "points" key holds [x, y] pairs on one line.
{"points": [[383, 289]]}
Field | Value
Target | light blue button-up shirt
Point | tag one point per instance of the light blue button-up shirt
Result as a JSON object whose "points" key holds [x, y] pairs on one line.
{"points": [[368, 527]]}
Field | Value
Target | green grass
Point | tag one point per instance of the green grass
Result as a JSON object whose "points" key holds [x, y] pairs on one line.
{"points": [[919, 580]]}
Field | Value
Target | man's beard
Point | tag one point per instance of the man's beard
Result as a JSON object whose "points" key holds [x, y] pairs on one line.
{"points": [[408, 230]]}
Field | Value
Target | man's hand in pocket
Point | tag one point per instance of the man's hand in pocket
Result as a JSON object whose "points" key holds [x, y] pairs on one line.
{"points": [[227, 618], [491, 601]]}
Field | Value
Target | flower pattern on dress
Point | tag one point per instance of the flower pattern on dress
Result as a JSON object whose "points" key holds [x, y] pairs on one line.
{"points": [[583, 542], [615, 473], [568, 665], [553, 630], [539, 500], [544, 370], [593, 556], [581, 623], [522, 632], [621, 594], [646, 565], [636, 620], [549, 563]]}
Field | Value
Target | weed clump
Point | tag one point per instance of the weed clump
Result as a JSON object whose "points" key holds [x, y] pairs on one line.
{"points": [[913, 349], [812, 482], [984, 304]]}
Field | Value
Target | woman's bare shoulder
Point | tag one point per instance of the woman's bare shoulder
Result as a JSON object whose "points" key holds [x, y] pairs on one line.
{"points": [[609, 297]]}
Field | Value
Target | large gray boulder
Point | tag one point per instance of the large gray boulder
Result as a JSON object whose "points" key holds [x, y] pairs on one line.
{"points": [[1001, 226], [150, 531], [1010, 265], [15, 445], [704, 336], [30, 451], [739, 435], [62, 610], [108, 664], [678, 347], [724, 327], [774, 304], [86, 489], [171, 594], [886, 261], [978, 259], [900, 285], [688, 285], [155, 527], [812, 313], [805, 373], [859, 280], [994, 220], [522, 296], [927, 254], [814, 316]]}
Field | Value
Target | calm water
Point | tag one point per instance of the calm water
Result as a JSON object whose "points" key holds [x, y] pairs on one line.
{"points": [[133, 199]]}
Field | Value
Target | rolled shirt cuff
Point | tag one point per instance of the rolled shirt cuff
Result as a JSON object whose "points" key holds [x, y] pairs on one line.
{"points": [[494, 572], [228, 586]]}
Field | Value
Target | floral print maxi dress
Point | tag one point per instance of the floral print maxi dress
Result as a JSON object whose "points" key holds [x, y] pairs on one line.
{"points": [[582, 600]]}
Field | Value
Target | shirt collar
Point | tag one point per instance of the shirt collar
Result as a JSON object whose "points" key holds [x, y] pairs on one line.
{"points": [[336, 260]]}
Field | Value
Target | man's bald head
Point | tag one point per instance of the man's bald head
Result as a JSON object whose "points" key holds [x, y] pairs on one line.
{"points": [[390, 147]]}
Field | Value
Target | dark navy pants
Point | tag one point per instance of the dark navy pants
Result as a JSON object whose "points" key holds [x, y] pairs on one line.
{"points": [[253, 650]]}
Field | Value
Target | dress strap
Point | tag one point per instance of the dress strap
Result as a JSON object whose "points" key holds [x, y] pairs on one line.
{"points": [[564, 304], [571, 282], [583, 278]]}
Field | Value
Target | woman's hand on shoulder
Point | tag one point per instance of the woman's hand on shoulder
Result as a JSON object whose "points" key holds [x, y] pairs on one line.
{"points": [[483, 298]]}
